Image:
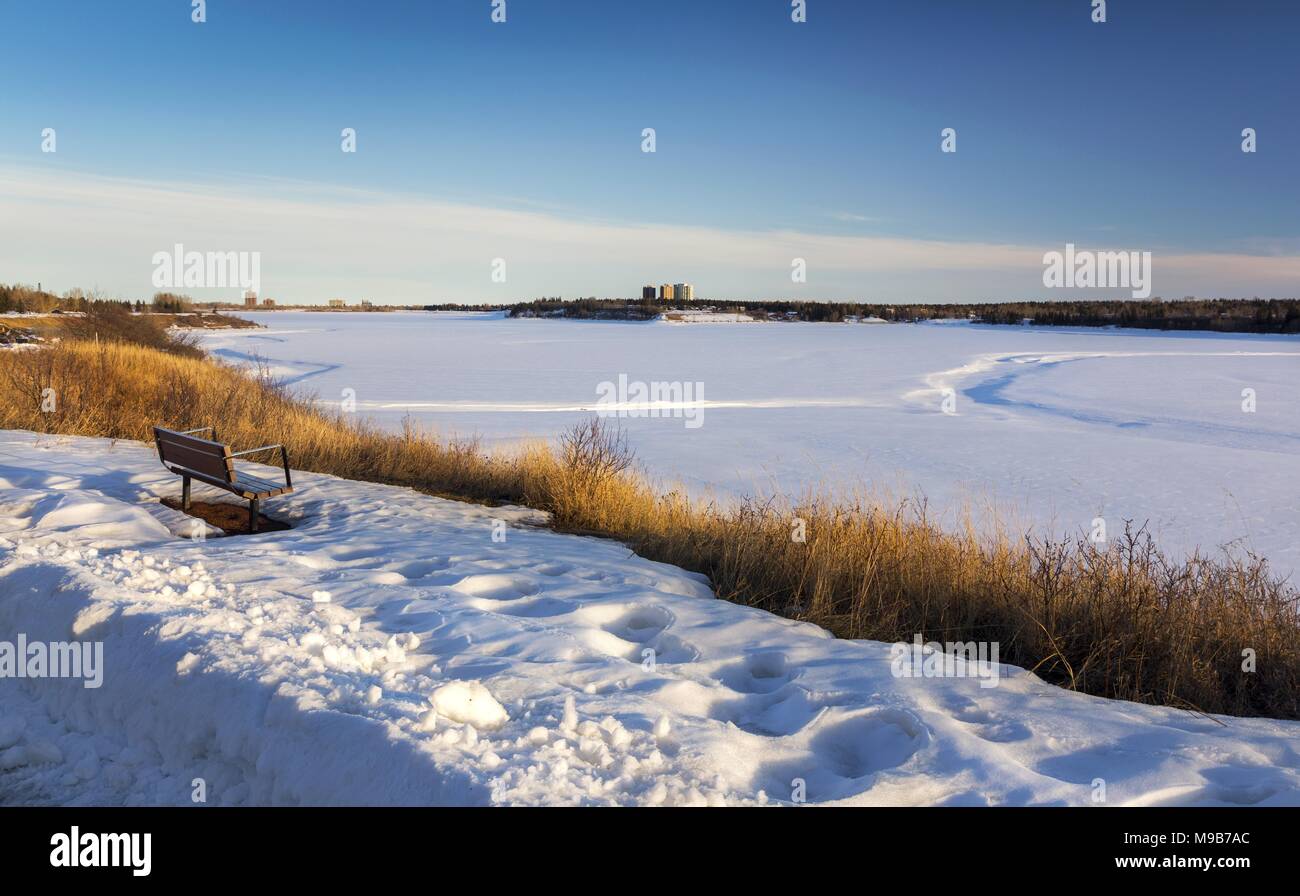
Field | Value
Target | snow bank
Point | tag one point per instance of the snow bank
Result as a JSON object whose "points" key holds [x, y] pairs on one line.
{"points": [[449, 668], [707, 317]]}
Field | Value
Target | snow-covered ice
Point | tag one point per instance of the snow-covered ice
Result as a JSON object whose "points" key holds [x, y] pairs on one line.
{"points": [[1051, 428], [449, 668]]}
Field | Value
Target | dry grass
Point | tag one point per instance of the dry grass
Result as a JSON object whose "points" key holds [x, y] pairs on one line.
{"points": [[115, 323], [1117, 620], [121, 391]]}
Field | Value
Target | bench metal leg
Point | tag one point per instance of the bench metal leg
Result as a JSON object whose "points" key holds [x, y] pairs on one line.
{"points": [[185, 493], [252, 514]]}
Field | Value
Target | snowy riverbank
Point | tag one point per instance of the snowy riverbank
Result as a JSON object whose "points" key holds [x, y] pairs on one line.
{"points": [[305, 667]]}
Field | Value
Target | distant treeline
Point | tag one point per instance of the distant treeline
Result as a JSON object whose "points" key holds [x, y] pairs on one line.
{"points": [[1222, 315], [593, 308], [590, 309], [29, 299]]}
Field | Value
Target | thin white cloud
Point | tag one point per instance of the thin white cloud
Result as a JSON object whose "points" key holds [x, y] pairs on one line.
{"points": [[854, 218], [69, 229]]}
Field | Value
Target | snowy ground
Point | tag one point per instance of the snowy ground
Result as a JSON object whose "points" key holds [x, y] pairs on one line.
{"points": [[388, 650], [707, 317], [1051, 427]]}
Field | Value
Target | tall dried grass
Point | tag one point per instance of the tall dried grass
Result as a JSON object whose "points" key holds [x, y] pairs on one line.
{"points": [[121, 391]]}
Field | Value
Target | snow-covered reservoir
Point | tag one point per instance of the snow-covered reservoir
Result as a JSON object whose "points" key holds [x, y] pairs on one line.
{"points": [[389, 650], [1053, 428]]}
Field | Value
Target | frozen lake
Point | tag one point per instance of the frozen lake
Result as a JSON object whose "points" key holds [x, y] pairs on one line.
{"points": [[1053, 428]]}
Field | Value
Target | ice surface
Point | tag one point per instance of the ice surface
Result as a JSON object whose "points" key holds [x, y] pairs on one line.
{"points": [[1051, 428]]}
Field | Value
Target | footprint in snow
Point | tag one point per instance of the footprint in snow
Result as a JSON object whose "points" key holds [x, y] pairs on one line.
{"points": [[418, 569], [758, 673], [636, 633], [781, 713], [496, 586], [845, 755], [348, 553], [538, 608], [988, 725], [553, 569], [640, 624]]}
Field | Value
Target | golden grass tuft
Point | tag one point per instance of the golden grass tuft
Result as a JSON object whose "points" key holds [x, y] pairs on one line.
{"points": [[1117, 620], [122, 391]]}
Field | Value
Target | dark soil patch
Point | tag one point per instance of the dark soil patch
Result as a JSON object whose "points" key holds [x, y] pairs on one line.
{"points": [[229, 518]]}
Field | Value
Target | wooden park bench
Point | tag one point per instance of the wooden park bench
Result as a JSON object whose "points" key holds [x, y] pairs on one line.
{"points": [[208, 460]]}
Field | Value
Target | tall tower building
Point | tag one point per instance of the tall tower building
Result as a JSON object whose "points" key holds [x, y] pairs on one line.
{"points": [[683, 292], [666, 292], [648, 293]]}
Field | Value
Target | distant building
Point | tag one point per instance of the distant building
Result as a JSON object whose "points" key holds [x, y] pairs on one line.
{"points": [[366, 305], [268, 303], [338, 303], [683, 292], [250, 299], [666, 292], [647, 293]]}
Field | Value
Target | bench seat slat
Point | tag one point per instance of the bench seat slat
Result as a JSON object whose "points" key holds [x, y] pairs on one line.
{"points": [[246, 486], [255, 487]]}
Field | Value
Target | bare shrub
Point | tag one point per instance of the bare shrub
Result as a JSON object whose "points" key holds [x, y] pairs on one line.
{"points": [[114, 322], [595, 451]]}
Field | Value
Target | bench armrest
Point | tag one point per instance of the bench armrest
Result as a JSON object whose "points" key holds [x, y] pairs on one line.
{"points": [[190, 432], [284, 459], [255, 450]]}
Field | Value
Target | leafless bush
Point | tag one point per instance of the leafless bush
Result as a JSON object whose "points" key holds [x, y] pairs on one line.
{"points": [[594, 451], [114, 322]]}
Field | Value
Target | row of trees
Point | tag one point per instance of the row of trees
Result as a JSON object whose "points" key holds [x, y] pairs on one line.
{"points": [[1224, 315], [592, 308], [29, 299]]}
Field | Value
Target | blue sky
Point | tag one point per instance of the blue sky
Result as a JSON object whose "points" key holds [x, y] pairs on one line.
{"points": [[1124, 134]]}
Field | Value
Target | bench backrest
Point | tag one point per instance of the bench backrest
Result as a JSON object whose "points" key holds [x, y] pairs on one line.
{"points": [[202, 456]]}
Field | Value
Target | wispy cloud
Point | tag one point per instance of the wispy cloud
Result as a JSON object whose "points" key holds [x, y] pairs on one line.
{"points": [[854, 218], [70, 229]]}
